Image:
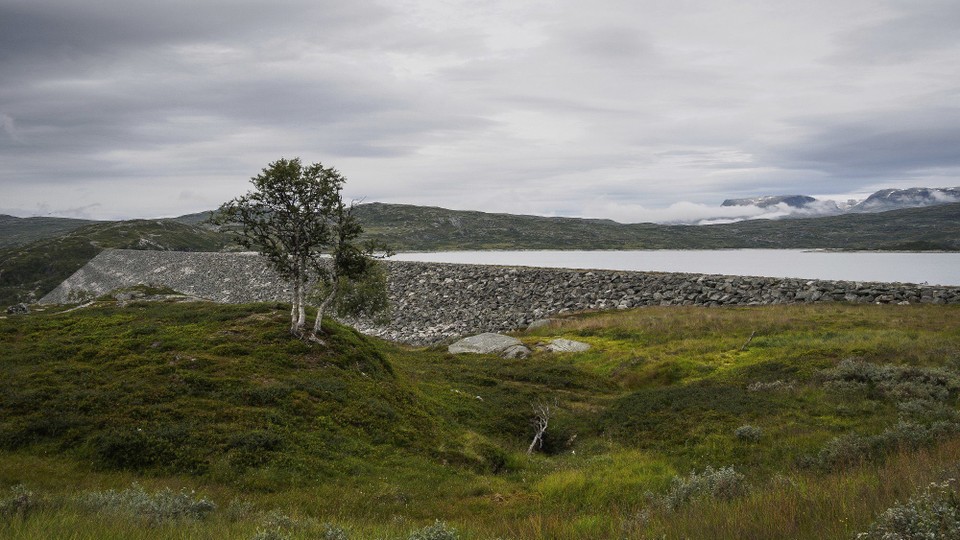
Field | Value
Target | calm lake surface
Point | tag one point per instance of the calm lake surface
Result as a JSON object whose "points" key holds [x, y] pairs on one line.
{"points": [[931, 268]]}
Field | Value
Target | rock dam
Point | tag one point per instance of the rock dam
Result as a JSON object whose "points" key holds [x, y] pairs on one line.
{"points": [[433, 302]]}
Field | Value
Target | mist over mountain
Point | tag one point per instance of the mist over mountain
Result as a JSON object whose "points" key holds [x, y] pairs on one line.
{"points": [[892, 199], [796, 201], [805, 206]]}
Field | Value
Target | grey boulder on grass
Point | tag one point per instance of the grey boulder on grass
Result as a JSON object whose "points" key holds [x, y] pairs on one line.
{"points": [[490, 343]]}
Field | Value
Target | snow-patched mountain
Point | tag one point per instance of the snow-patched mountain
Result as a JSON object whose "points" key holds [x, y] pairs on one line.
{"points": [[892, 199], [796, 201], [798, 206]]}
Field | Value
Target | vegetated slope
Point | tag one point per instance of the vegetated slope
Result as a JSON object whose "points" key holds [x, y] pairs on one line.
{"points": [[202, 389], [828, 414], [28, 272], [16, 231], [427, 228]]}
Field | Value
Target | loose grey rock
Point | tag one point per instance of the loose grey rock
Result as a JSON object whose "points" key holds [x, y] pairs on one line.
{"points": [[18, 309], [567, 345], [435, 302], [486, 343]]}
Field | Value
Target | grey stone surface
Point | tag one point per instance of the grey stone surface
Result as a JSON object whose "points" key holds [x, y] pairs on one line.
{"points": [[486, 343], [516, 351], [18, 309], [434, 302], [567, 345]]}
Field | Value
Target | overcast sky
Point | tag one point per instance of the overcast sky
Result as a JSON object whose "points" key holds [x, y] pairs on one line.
{"points": [[635, 110]]}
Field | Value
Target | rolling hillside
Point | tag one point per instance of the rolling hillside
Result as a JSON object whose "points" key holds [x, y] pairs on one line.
{"points": [[420, 228], [29, 271], [16, 231]]}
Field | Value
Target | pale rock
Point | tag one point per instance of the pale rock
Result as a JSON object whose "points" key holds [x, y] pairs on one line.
{"points": [[567, 345], [486, 343]]}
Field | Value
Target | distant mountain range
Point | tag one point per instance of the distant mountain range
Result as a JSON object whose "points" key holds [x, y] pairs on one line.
{"points": [[36, 254], [881, 201]]}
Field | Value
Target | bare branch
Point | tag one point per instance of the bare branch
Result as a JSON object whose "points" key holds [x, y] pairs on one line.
{"points": [[541, 420]]}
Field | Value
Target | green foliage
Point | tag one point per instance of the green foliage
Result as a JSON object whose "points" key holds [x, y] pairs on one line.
{"points": [[365, 295], [288, 216], [296, 218]]}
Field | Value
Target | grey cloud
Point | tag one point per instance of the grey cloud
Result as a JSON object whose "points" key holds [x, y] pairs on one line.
{"points": [[609, 42], [919, 27], [887, 144]]}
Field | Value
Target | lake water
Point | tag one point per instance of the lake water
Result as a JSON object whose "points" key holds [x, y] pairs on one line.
{"points": [[904, 267]]}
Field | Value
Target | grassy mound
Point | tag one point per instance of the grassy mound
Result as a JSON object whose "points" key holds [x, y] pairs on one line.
{"points": [[202, 389]]}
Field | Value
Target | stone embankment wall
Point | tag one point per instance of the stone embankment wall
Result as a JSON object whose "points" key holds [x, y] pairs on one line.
{"points": [[432, 302]]}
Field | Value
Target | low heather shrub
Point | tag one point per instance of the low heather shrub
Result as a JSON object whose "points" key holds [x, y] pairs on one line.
{"points": [[771, 386], [271, 534], [854, 448], [748, 433], [933, 513], [438, 531], [157, 507], [896, 383], [238, 509], [329, 531], [724, 483], [18, 502]]}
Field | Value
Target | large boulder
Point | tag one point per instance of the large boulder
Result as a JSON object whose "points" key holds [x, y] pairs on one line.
{"points": [[487, 343]]}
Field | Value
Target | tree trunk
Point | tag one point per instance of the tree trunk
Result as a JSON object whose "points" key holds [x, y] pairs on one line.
{"points": [[295, 308], [321, 309], [301, 310]]}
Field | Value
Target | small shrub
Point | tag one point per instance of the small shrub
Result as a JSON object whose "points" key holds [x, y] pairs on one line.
{"points": [[894, 383], [438, 531], [276, 526], [19, 502], [771, 386], [271, 534], [276, 519], [158, 507], [852, 448], [724, 483], [748, 433], [329, 531], [933, 513], [239, 509]]}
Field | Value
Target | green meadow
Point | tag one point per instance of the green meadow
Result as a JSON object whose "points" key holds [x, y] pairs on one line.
{"points": [[198, 420]]}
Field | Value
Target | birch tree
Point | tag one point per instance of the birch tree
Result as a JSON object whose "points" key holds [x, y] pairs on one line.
{"points": [[296, 218]]}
